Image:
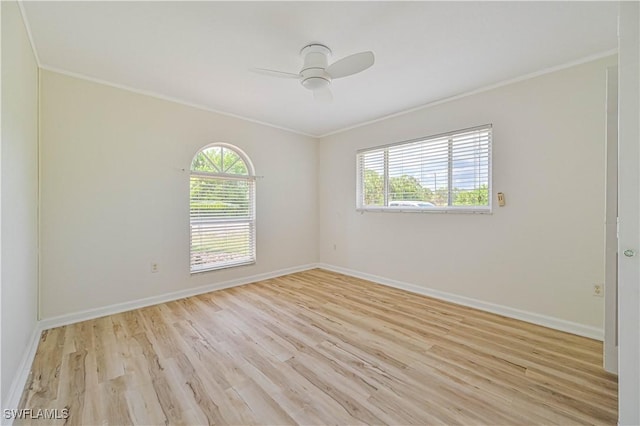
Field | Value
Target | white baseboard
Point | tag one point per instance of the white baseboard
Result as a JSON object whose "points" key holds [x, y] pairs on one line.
{"points": [[531, 317], [117, 308], [12, 399], [20, 379]]}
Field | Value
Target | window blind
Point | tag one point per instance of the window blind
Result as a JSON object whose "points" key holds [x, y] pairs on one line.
{"points": [[222, 220], [450, 171]]}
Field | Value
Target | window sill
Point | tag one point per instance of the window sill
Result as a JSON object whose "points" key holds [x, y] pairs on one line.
{"points": [[223, 266], [436, 210]]}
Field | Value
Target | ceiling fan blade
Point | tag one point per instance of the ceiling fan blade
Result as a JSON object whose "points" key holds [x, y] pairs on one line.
{"points": [[351, 64], [323, 95], [274, 73]]}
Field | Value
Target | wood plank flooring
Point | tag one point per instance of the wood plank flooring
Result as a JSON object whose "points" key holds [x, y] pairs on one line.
{"points": [[317, 347]]}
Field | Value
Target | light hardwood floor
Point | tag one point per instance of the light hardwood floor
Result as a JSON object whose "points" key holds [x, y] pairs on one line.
{"points": [[318, 348]]}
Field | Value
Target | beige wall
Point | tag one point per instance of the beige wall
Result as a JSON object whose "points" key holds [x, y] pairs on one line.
{"points": [[114, 197], [541, 253], [19, 179]]}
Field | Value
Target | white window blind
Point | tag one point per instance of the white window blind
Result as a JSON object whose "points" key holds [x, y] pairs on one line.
{"points": [[222, 209], [447, 172]]}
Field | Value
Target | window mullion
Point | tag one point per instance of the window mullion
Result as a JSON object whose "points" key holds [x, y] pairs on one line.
{"points": [[450, 174], [210, 161], [386, 177]]}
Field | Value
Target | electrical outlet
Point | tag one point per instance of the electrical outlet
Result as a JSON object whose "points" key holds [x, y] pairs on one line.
{"points": [[154, 267], [597, 290]]}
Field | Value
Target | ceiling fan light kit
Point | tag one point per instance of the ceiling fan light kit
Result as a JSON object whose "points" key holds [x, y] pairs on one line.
{"points": [[313, 74], [316, 74], [315, 82]]}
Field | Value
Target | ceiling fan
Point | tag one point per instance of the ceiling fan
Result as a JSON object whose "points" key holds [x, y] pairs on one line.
{"points": [[316, 74]]}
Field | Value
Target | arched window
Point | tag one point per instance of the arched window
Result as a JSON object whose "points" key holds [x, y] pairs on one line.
{"points": [[222, 209]]}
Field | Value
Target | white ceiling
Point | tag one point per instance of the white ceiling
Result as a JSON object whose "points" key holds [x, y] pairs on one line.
{"points": [[200, 52]]}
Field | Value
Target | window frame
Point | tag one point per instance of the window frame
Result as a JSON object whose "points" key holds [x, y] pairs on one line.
{"points": [[250, 177], [361, 207]]}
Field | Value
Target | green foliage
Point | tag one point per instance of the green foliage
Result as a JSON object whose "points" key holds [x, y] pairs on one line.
{"points": [[213, 198], [202, 164], [441, 197], [373, 188], [400, 188], [408, 188], [219, 160], [472, 197], [219, 197]]}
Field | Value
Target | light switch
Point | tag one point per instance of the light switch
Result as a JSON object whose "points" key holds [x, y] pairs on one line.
{"points": [[500, 199]]}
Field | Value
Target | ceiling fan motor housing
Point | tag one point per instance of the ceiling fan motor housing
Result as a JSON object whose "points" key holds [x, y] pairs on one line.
{"points": [[313, 72]]}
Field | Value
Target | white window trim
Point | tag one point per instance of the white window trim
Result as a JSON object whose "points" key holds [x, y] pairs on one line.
{"points": [[431, 210], [250, 177]]}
